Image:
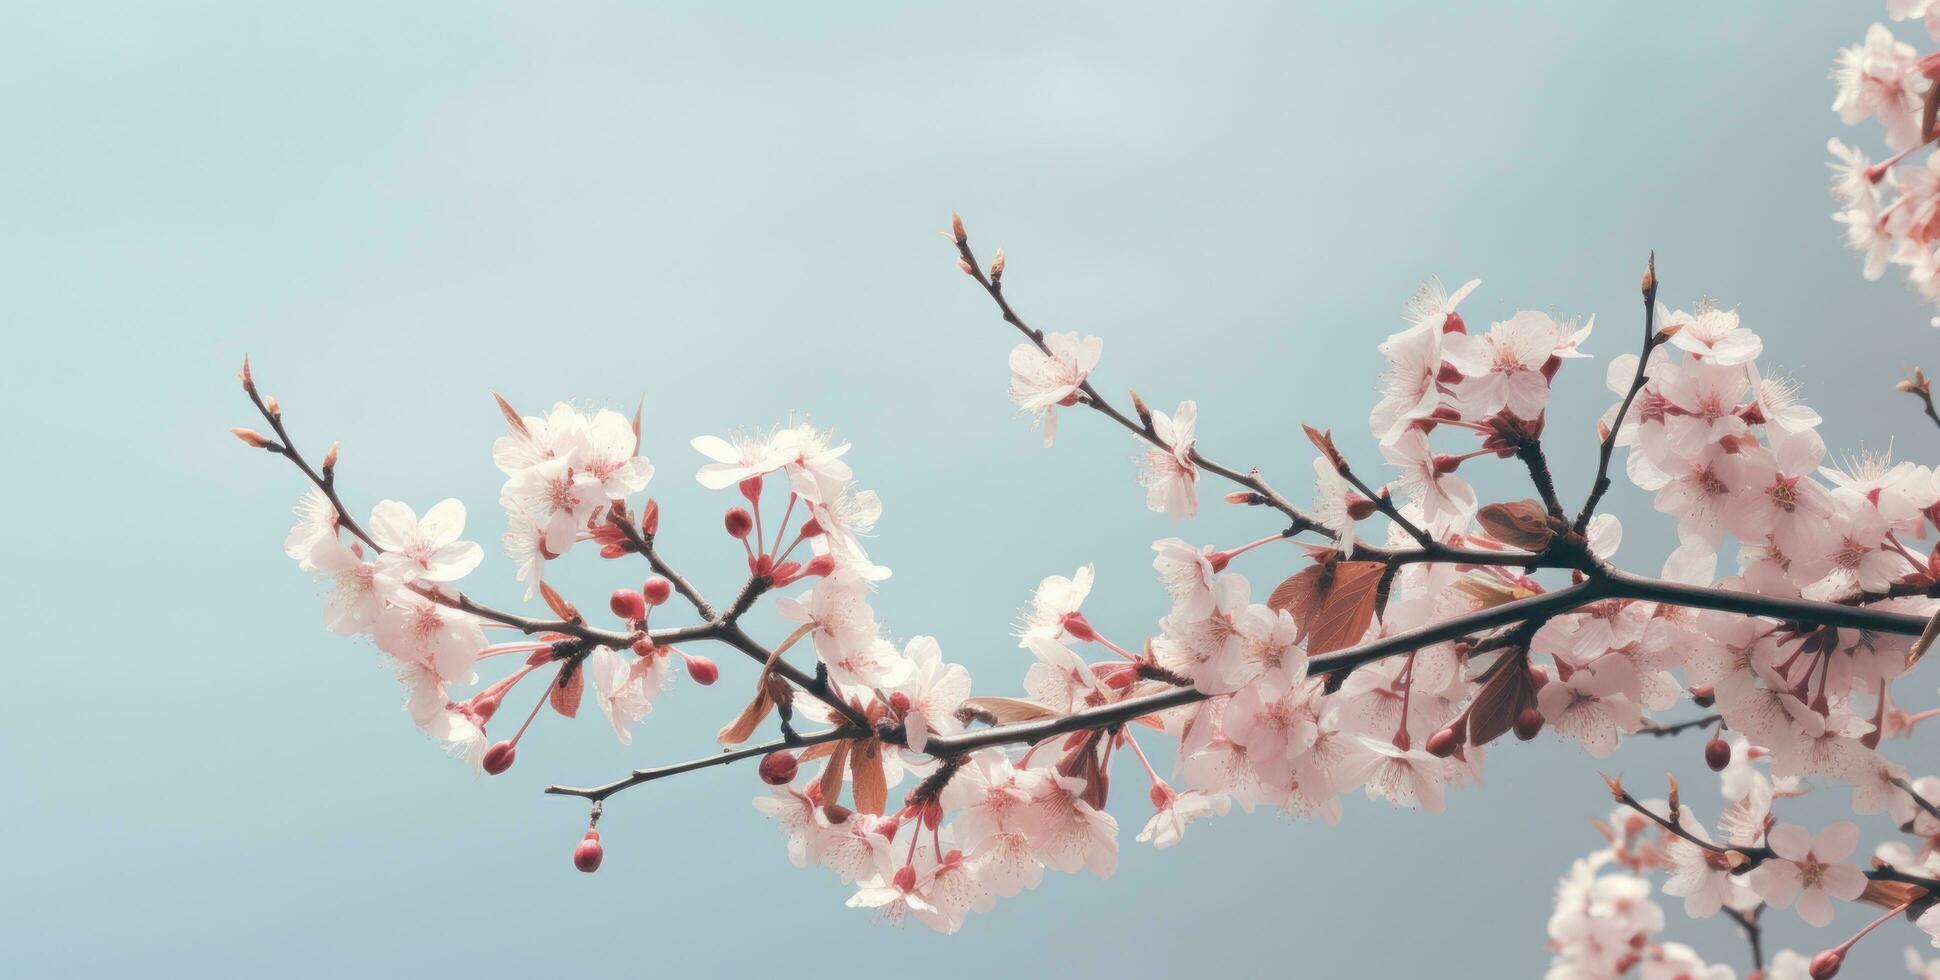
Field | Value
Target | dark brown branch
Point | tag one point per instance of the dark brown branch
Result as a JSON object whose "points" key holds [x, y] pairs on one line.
{"points": [[1919, 387], [1637, 381], [1678, 728], [639, 776], [642, 543], [1923, 802], [1754, 933]]}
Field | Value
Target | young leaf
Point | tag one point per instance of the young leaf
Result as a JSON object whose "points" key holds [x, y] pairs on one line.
{"points": [[1010, 710], [1333, 612], [560, 607], [565, 693], [1498, 701], [511, 415], [865, 770], [1520, 523], [751, 717]]}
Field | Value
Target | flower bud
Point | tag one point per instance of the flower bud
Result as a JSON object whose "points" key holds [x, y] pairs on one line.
{"points": [[701, 669], [1443, 743], [1703, 696], [643, 645], [252, 438], [628, 604], [499, 757], [1826, 965], [739, 522], [778, 767], [656, 590], [1360, 508], [587, 856], [1717, 754], [900, 702], [650, 518], [1529, 724]]}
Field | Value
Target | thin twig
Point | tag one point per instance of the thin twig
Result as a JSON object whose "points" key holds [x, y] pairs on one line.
{"points": [[1637, 381]]}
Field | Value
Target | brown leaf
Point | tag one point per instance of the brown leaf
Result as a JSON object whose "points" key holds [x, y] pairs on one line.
{"points": [[1520, 523], [1010, 710], [565, 693], [1927, 636], [1332, 610], [865, 770], [831, 782], [1487, 592], [511, 415], [1323, 441], [560, 607], [1498, 701], [744, 724], [819, 750]]}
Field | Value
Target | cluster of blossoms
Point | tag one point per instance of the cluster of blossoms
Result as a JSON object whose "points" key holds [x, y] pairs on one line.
{"points": [[1418, 626], [1891, 208]]}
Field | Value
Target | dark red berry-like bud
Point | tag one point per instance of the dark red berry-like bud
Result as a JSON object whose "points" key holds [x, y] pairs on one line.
{"points": [[778, 767], [628, 604], [1703, 696], [1717, 754], [1443, 743], [701, 669], [499, 757], [1826, 965], [1529, 724], [1360, 508], [739, 522], [587, 856], [656, 590]]}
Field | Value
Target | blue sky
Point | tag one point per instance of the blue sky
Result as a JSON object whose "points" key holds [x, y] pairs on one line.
{"points": [[735, 213]]}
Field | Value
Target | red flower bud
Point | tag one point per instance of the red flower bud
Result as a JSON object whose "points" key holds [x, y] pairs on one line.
{"points": [[900, 702], [1080, 629], [643, 645], [586, 857], [650, 519], [778, 767], [628, 604], [1443, 743], [1528, 724], [701, 669], [1360, 508], [499, 757], [1717, 754], [656, 590], [739, 522], [1826, 965]]}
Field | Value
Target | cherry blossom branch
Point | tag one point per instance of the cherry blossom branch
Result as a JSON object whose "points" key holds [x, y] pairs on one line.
{"points": [[1754, 933], [1637, 381], [722, 628], [1681, 727], [1921, 801], [1919, 387], [641, 542]]}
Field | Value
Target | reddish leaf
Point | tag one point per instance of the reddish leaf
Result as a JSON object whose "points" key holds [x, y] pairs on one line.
{"points": [[831, 782], [1323, 441], [1520, 523], [1332, 602], [566, 692], [511, 415], [1499, 700], [1010, 710], [744, 724], [560, 607], [865, 770]]}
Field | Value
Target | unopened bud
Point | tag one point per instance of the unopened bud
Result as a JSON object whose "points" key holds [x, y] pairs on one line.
{"points": [[701, 669], [628, 604], [1529, 723], [739, 522], [330, 459], [252, 438], [964, 264], [1443, 743], [778, 768], [587, 856], [956, 226], [248, 382], [656, 590], [499, 757], [1247, 497], [1826, 965], [275, 407], [997, 264], [1717, 754], [650, 518], [899, 701], [1360, 508], [1649, 285], [643, 645]]}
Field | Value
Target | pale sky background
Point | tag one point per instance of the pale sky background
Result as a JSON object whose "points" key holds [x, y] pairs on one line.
{"points": [[735, 213]]}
